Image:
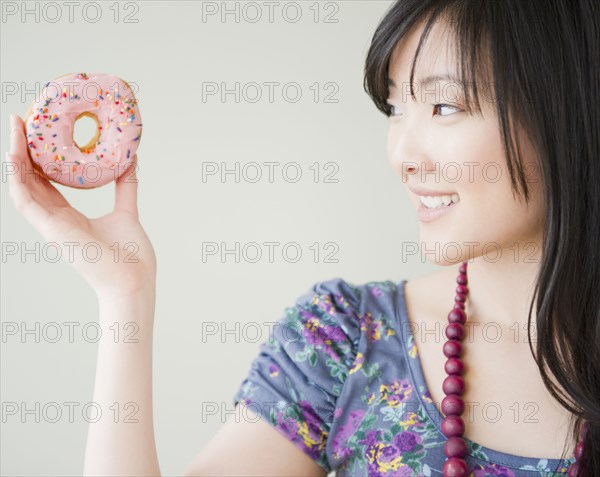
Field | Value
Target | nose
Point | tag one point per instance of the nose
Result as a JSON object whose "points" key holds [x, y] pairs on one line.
{"points": [[410, 148]]}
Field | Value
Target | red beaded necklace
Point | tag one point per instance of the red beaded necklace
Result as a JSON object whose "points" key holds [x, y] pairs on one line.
{"points": [[452, 406]]}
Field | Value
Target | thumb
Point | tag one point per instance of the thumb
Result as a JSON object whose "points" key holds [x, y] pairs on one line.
{"points": [[126, 187]]}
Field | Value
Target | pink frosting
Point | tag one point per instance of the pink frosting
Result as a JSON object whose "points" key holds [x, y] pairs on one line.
{"points": [[50, 129]]}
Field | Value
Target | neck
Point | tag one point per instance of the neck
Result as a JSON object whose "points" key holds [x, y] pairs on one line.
{"points": [[502, 291]]}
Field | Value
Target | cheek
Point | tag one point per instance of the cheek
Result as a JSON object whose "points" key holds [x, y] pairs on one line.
{"points": [[472, 162], [491, 212]]}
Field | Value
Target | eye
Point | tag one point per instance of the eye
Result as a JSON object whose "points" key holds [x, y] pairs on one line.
{"points": [[439, 106]]}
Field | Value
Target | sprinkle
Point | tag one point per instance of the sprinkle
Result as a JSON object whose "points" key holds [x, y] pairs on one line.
{"points": [[55, 118], [83, 76], [80, 179], [136, 138], [128, 153], [119, 129], [54, 149]]}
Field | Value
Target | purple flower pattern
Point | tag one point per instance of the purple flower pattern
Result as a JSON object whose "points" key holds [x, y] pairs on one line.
{"points": [[345, 388]]}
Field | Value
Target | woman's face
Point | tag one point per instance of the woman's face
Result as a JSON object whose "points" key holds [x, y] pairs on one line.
{"points": [[436, 147]]}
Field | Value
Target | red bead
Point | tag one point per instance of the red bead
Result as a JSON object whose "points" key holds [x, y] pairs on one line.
{"points": [[454, 366], [452, 348], [462, 280], [455, 331], [579, 450], [453, 385], [455, 447], [462, 289], [459, 304], [454, 467], [457, 316], [463, 268], [452, 405], [573, 469], [460, 297], [453, 426]]}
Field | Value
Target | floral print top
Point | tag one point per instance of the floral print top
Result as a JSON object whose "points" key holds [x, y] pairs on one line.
{"points": [[341, 378]]}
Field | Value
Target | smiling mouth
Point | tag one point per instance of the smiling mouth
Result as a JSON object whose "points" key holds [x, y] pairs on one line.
{"points": [[438, 201]]}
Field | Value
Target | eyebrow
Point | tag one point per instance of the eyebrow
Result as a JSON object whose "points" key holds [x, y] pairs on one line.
{"points": [[429, 79]]}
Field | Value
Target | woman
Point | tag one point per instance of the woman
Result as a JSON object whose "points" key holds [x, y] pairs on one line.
{"points": [[497, 142]]}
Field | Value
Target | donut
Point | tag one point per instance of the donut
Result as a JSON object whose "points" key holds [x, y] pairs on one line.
{"points": [[50, 122]]}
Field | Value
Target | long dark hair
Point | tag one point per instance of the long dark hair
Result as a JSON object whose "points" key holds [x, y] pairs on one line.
{"points": [[545, 66]]}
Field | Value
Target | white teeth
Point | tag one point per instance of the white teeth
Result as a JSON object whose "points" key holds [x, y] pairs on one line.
{"points": [[432, 202]]}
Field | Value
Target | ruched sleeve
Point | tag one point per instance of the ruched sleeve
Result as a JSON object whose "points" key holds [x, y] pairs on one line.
{"points": [[301, 368]]}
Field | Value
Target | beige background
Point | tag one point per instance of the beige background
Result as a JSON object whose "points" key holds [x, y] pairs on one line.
{"points": [[168, 54]]}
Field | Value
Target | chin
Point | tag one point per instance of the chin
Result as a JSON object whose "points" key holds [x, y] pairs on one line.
{"points": [[444, 249]]}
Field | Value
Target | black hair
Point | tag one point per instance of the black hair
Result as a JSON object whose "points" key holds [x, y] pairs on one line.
{"points": [[544, 58]]}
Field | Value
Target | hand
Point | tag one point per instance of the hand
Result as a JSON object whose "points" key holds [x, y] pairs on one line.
{"points": [[122, 269]]}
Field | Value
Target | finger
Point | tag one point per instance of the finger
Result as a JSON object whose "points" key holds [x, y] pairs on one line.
{"points": [[19, 149], [18, 143], [126, 187], [25, 204]]}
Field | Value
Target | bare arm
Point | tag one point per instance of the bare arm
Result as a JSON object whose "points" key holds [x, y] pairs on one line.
{"points": [[244, 446], [126, 294], [122, 441], [248, 446]]}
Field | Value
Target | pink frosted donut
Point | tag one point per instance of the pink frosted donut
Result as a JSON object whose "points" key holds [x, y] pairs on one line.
{"points": [[50, 121]]}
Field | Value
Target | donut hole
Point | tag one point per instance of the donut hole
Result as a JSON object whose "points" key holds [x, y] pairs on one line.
{"points": [[86, 131]]}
